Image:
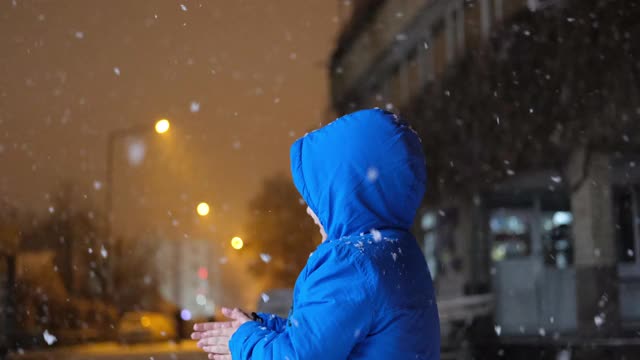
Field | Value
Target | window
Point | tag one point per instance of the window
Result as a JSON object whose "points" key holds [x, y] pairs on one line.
{"points": [[625, 202], [510, 234]]}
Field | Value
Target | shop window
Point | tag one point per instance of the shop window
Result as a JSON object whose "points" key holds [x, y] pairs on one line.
{"points": [[510, 234]]}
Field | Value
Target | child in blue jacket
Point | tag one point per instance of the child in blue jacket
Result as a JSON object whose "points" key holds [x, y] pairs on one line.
{"points": [[366, 292]]}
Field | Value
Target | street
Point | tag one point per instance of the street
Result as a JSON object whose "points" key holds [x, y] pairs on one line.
{"points": [[185, 350]]}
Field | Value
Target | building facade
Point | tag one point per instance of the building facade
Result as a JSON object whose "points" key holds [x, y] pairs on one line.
{"points": [[531, 150]]}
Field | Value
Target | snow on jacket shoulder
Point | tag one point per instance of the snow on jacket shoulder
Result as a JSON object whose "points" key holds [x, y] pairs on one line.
{"points": [[366, 292]]}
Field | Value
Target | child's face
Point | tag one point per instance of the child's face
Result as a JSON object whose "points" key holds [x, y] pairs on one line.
{"points": [[317, 221]]}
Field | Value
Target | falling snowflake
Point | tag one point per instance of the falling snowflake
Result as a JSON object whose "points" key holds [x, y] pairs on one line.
{"points": [[265, 297], [377, 235], [116, 70], [542, 332], [103, 252], [265, 257], [194, 107], [394, 256], [372, 174], [183, 7], [599, 319], [97, 185], [556, 179], [498, 329], [79, 35], [49, 338]]}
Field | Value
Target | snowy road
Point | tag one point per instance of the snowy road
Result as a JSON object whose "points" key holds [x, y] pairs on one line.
{"points": [[186, 350]]}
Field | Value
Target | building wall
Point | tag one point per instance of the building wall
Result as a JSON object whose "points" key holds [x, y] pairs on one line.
{"points": [[429, 35]]}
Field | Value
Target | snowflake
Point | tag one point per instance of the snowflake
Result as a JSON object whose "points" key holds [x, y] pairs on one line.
{"points": [[498, 329], [49, 338], [372, 174], [377, 236], [599, 319]]}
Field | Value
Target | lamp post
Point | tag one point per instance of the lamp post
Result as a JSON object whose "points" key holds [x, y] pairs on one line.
{"points": [[161, 126]]}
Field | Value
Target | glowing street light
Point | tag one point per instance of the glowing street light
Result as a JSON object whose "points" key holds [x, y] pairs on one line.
{"points": [[202, 209], [162, 126], [237, 243]]}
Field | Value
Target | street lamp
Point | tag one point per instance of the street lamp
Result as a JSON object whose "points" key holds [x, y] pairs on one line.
{"points": [[237, 243], [202, 209], [161, 127]]}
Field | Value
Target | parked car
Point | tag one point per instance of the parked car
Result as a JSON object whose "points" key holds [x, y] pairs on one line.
{"points": [[145, 327]]}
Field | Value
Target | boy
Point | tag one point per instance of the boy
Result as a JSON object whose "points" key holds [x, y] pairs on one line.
{"points": [[366, 292]]}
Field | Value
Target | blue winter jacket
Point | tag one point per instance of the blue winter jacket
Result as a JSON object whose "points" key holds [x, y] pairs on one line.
{"points": [[366, 292]]}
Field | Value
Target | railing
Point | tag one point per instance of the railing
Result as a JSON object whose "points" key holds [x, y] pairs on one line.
{"points": [[466, 308]]}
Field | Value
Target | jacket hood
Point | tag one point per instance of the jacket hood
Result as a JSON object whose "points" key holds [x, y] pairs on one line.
{"points": [[363, 171]]}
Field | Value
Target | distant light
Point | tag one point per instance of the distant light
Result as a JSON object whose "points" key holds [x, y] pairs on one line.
{"points": [[562, 218], [203, 209], [162, 126], [203, 273], [136, 152], [145, 321], [237, 243], [201, 300], [185, 315]]}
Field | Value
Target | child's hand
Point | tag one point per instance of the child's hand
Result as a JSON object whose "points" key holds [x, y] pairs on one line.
{"points": [[213, 337]]}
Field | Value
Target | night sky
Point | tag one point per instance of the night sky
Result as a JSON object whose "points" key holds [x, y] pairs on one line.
{"points": [[240, 80]]}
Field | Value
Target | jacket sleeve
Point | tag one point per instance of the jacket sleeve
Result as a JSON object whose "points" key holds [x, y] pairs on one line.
{"points": [[332, 313], [272, 321]]}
